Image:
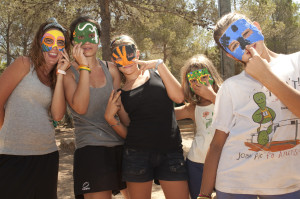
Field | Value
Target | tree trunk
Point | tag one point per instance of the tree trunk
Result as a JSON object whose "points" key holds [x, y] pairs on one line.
{"points": [[8, 55], [227, 64], [105, 29]]}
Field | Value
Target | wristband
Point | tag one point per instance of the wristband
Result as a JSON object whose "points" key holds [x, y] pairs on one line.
{"points": [[82, 65], [58, 71], [202, 196], [160, 61], [85, 68]]}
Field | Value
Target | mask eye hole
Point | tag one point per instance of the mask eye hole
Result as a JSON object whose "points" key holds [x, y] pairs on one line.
{"points": [[233, 45], [193, 81], [92, 35], [204, 78], [60, 42], [48, 41], [81, 37], [247, 33], [130, 55]]}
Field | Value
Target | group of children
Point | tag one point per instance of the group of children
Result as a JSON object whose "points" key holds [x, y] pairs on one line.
{"points": [[246, 142]]}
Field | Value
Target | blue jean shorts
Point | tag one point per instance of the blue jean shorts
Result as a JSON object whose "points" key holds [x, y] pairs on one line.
{"points": [[144, 166]]}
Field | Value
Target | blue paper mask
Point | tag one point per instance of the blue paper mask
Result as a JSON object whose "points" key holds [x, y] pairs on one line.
{"points": [[238, 35]]}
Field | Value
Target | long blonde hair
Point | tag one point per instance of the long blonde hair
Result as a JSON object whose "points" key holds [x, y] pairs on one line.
{"points": [[194, 63]]}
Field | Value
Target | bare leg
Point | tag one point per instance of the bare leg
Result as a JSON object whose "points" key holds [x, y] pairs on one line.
{"points": [[125, 193], [139, 190], [98, 195], [175, 189]]}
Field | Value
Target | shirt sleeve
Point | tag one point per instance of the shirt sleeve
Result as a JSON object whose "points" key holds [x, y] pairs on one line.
{"points": [[223, 118]]}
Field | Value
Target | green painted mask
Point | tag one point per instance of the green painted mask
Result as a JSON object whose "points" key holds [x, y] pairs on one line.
{"points": [[86, 32], [199, 76]]}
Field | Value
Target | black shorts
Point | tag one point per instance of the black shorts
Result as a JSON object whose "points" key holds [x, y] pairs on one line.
{"points": [[96, 169], [143, 166], [28, 177]]}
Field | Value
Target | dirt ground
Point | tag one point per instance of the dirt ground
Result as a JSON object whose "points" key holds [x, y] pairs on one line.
{"points": [[65, 179]]}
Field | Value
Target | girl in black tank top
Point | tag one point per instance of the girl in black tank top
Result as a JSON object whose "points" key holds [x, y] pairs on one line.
{"points": [[153, 148]]}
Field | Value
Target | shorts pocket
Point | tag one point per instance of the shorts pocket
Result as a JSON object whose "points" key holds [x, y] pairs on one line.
{"points": [[176, 163], [135, 162]]}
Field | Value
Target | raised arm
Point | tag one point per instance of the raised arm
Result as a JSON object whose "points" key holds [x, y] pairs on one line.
{"points": [[259, 69], [9, 80], [58, 105], [174, 89], [78, 95]]}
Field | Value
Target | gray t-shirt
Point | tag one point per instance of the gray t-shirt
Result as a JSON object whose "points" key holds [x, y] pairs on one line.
{"points": [[27, 127], [92, 128]]}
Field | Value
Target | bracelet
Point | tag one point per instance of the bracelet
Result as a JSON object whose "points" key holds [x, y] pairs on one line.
{"points": [[118, 123], [82, 65], [203, 196], [58, 71], [85, 68], [159, 61]]}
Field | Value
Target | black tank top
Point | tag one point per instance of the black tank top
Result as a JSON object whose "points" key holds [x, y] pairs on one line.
{"points": [[153, 126]]}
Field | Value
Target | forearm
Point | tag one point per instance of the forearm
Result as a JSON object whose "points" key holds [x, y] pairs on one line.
{"points": [[284, 92], [210, 171], [174, 89], [119, 127], [58, 106]]}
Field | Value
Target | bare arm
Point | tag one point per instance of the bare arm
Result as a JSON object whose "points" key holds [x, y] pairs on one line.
{"points": [[174, 89], [185, 111], [211, 162], [58, 105], [113, 107], [259, 69], [9, 80], [78, 95]]}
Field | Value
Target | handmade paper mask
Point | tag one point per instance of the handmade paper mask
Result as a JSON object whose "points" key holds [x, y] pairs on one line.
{"points": [[199, 76], [86, 32], [51, 39], [238, 35], [123, 55]]}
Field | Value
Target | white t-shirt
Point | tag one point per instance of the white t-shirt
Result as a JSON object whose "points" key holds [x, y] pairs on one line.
{"points": [[204, 133], [246, 166]]}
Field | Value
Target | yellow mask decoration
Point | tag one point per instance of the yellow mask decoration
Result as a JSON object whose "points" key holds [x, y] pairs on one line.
{"points": [[51, 39]]}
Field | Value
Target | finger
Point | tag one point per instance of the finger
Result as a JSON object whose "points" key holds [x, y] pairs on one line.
{"points": [[111, 95], [252, 51], [140, 62], [116, 96]]}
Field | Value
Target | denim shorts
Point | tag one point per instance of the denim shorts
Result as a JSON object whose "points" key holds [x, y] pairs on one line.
{"points": [[222, 195], [144, 166]]}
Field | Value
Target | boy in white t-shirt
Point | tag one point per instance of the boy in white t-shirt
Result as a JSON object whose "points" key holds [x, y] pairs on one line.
{"points": [[255, 151]]}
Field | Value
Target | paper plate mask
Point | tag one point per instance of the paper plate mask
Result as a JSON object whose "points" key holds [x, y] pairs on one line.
{"points": [[124, 54], [51, 39], [199, 76], [238, 35], [86, 32]]}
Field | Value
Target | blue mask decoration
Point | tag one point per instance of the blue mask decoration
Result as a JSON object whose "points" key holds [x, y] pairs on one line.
{"points": [[238, 35]]}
